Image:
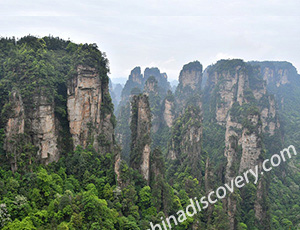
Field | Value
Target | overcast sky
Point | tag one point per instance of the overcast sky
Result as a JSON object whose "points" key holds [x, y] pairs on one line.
{"points": [[164, 33]]}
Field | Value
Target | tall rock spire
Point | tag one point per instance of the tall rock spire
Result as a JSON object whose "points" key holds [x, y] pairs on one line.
{"points": [[89, 116], [140, 135]]}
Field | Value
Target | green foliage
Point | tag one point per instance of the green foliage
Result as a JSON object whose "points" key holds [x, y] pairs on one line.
{"points": [[75, 193], [38, 70], [123, 129], [193, 66], [227, 66], [80, 191], [140, 129], [188, 153], [283, 191]]}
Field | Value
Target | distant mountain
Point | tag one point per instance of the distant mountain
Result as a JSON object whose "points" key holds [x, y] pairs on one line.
{"points": [[66, 162], [119, 80]]}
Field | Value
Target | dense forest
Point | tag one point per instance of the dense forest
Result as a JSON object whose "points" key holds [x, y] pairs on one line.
{"points": [[71, 159]]}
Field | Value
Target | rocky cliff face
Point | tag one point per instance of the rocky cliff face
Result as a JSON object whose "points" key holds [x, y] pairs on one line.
{"points": [[155, 85], [190, 77], [40, 91], [15, 127], [185, 144], [283, 81], [188, 142], [276, 74], [241, 103], [189, 86], [35, 123], [88, 123], [229, 88], [186, 135], [136, 76], [251, 143], [162, 79], [168, 113], [151, 86], [135, 80], [243, 150], [45, 127], [279, 77], [241, 84], [140, 135], [138, 80], [157, 166], [151, 89]]}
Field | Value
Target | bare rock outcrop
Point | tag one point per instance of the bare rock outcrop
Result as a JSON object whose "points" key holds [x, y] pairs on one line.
{"points": [[89, 116], [35, 124], [140, 135], [168, 113], [15, 127], [186, 137], [136, 76], [189, 86], [241, 104], [45, 127]]}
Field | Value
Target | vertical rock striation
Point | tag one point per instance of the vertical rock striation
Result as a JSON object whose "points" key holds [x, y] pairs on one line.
{"points": [[89, 124], [186, 135], [151, 89], [154, 84], [35, 124], [168, 110], [140, 135], [15, 127], [189, 87], [241, 103], [45, 127]]}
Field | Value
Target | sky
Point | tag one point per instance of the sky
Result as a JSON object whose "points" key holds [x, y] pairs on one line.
{"points": [[163, 33]]}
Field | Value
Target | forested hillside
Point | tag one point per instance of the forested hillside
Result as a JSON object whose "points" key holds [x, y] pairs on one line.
{"points": [[66, 161]]}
